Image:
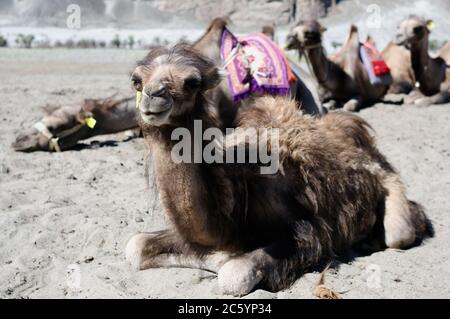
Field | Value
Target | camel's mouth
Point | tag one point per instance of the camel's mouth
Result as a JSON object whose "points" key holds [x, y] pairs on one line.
{"points": [[156, 118]]}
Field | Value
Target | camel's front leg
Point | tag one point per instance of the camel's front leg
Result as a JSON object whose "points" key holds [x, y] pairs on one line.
{"points": [[276, 266], [439, 98], [413, 96], [352, 105], [164, 250]]}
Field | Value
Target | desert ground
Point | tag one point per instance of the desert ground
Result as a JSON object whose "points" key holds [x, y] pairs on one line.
{"points": [[65, 217]]}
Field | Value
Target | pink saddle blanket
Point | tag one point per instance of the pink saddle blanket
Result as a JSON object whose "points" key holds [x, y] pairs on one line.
{"points": [[254, 64]]}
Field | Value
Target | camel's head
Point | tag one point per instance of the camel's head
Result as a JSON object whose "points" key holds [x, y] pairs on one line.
{"points": [[30, 140], [412, 30], [170, 82], [305, 34]]}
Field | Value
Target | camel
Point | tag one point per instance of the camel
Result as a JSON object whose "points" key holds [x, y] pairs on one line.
{"points": [[398, 59], [209, 44], [432, 74], [333, 189], [344, 77], [63, 127]]}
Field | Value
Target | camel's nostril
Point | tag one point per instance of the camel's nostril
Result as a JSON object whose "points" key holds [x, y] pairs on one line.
{"points": [[161, 91]]}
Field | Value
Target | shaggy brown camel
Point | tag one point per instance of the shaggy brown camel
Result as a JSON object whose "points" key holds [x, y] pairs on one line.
{"points": [[333, 188], [345, 78], [432, 74], [398, 59], [209, 44], [63, 127]]}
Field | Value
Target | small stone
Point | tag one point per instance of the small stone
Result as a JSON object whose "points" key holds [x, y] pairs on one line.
{"points": [[139, 220], [88, 260]]}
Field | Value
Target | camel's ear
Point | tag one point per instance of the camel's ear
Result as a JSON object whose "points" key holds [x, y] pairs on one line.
{"points": [[212, 78], [430, 25], [323, 29]]}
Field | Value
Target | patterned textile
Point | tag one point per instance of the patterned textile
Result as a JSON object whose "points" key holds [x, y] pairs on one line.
{"points": [[377, 69], [254, 64]]}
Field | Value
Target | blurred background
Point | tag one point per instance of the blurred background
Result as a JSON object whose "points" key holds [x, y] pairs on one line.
{"points": [[140, 24]]}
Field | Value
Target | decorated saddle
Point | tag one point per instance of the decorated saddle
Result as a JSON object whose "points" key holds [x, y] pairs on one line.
{"points": [[254, 64], [377, 69]]}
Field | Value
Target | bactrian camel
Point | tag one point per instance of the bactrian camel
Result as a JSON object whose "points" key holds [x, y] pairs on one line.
{"points": [[333, 190], [432, 74], [345, 77], [63, 127]]}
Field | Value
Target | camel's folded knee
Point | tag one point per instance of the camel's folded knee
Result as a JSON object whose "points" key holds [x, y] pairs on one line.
{"points": [[404, 221], [135, 250]]}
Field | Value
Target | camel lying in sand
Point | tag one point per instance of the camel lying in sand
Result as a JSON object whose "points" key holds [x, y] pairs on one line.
{"points": [[333, 189], [65, 119], [63, 127], [432, 74], [345, 78], [398, 59]]}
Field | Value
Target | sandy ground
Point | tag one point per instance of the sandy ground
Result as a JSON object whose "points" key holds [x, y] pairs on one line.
{"points": [[65, 218]]}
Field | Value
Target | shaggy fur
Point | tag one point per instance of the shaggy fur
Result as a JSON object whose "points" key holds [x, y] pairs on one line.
{"points": [[334, 190]]}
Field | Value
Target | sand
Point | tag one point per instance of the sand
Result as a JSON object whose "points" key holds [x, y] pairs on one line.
{"points": [[65, 218]]}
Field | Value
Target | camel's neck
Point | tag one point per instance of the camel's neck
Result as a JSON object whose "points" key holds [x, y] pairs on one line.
{"points": [[320, 64], [199, 214], [420, 61]]}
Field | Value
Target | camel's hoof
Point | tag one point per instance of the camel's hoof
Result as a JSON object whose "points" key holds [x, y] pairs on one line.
{"points": [[238, 277], [423, 102], [351, 106], [134, 250]]}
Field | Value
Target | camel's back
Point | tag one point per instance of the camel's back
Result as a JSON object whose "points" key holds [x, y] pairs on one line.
{"points": [[302, 135]]}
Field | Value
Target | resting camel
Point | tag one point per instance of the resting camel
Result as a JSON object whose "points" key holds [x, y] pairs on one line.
{"points": [[63, 127], [345, 78], [333, 188], [65, 119], [398, 59], [432, 74]]}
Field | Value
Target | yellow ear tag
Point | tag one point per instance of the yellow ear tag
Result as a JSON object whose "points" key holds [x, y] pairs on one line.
{"points": [[430, 25], [90, 122], [138, 98]]}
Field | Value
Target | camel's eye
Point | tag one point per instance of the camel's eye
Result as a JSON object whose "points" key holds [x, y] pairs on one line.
{"points": [[418, 30], [137, 83], [192, 83]]}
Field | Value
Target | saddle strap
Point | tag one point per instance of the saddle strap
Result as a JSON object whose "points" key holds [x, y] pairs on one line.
{"points": [[52, 141]]}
